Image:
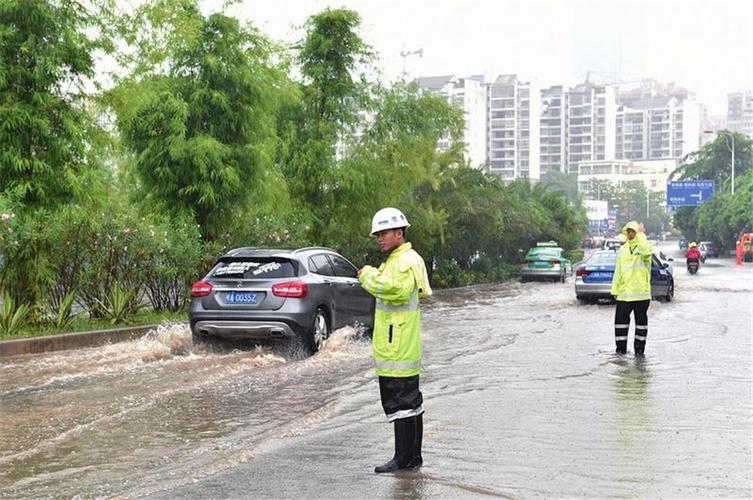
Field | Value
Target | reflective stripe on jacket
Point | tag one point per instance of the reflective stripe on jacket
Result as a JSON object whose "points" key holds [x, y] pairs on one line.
{"points": [[632, 271], [397, 285]]}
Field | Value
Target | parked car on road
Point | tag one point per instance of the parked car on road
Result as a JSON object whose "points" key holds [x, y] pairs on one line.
{"points": [[263, 293], [546, 261], [713, 249], [613, 243], [593, 278]]}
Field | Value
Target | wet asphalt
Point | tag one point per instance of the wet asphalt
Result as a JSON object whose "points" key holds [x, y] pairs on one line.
{"points": [[524, 398]]}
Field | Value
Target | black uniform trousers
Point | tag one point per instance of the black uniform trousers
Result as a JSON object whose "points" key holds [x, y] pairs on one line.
{"points": [[639, 309], [401, 397]]}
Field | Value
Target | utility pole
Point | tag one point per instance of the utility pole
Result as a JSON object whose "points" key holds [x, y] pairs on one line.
{"points": [[406, 53]]}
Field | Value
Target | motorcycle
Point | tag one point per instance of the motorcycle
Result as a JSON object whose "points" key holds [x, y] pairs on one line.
{"points": [[693, 265]]}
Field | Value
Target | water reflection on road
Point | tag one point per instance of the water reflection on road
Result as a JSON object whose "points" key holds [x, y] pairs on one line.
{"points": [[524, 398]]}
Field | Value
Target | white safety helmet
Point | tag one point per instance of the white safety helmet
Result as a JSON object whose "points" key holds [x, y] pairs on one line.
{"points": [[388, 218]]}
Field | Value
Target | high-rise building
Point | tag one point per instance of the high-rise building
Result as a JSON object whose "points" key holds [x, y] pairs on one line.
{"points": [[648, 87], [553, 130], [591, 117], [657, 128], [469, 94], [513, 128], [740, 112]]}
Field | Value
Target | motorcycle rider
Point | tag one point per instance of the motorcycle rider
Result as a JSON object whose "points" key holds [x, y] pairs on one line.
{"points": [[693, 254]]}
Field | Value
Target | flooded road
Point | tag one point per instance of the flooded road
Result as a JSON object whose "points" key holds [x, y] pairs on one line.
{"points": [[524, 398]]}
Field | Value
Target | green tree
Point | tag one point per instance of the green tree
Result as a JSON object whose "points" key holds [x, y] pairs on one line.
{"points": [[316, 128], [396, 163], [48, 143], [203, 130], [713, 161], [725, 216]]}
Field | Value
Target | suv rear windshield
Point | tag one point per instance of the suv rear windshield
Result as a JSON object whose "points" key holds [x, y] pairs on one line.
{"points": [[253, 268]]}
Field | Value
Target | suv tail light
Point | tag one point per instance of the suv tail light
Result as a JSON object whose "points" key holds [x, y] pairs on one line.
{"points": [[295, 289], [555, 261], [582, 272], [201, 289]]}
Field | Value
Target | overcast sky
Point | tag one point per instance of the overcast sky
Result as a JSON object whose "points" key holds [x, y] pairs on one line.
{"points": [[706, 46]]}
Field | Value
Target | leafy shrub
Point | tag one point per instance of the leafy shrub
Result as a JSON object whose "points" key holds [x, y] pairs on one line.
{"points": [[174, 253], [64, 314], [12, 317], [117, 252], [449, 274], [576, 255], [119, 304]]}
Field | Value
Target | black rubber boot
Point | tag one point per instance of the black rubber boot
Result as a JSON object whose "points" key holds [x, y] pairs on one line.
{"points": [[405, 432], [417, 460], [639, 346], [621, 346]]}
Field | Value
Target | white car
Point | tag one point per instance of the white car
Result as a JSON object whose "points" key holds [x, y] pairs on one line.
{"points": [[613, 243]]}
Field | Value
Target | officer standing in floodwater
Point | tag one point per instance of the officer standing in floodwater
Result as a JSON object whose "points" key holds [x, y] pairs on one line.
{"points": [[631, 287], [397, 285]]}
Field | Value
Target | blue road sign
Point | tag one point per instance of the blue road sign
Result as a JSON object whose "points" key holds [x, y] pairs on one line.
{"points": [[689, 193]]}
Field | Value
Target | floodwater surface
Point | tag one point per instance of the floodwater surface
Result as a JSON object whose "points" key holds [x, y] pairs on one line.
{"points": [[524, 398]]}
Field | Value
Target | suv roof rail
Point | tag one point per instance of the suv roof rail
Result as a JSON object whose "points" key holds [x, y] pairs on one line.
{"points": [[305, 249], [235, 251]]}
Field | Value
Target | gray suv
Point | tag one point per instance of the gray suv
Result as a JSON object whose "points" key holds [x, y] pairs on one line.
{"points": [[277, 294]]}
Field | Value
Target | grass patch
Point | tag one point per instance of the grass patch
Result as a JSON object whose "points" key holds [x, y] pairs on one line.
{"points": [[83, 323]]}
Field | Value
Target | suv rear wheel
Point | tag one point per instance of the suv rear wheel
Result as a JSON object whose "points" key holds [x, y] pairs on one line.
{"points": [[319, 331]]}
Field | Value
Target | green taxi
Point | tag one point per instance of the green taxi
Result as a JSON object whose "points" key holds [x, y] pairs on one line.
{"points": [[546, 261]]}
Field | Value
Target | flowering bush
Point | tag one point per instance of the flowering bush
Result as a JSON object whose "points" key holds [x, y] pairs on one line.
{"points": [[174, 253], [45, 257]]}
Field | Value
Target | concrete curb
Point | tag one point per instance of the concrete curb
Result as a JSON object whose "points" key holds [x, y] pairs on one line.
{"points": [[33, 345]]}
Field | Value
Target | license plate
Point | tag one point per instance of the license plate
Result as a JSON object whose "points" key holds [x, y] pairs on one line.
{"points": [[600, 275], [542, 264], [240, 298]]}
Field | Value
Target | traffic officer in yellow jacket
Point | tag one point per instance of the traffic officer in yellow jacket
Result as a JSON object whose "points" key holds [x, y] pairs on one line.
{"points": [[631, 286], [397, 286]]}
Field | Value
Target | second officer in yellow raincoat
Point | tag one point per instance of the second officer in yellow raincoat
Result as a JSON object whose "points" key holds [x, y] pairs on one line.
{"points": [[631, 287]]}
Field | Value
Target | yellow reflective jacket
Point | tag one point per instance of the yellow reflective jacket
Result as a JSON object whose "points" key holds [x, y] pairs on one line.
{"points": [[397, 285], [632, 271]]}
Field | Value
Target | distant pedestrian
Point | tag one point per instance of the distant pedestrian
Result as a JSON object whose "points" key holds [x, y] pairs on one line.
{"points": [[631, 287], [739, 253], [397, 285]]}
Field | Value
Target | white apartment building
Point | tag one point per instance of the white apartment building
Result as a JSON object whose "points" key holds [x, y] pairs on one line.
{"points": [[553, 130], [649, 87], [591, 117], [654, 174], [740, 112], [469, 94], [657, 128], [513, 128]]}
